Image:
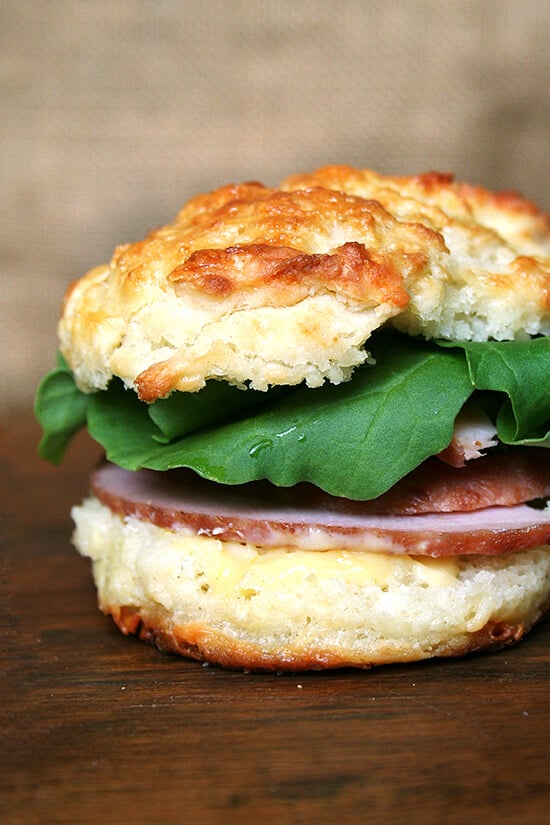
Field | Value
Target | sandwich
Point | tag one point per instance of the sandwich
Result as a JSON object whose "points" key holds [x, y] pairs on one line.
{"points": [[325, 414]]}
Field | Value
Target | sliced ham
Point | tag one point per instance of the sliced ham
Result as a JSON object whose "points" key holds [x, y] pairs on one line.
{"points": [[474, 432], [307, 518], [504, 477]]}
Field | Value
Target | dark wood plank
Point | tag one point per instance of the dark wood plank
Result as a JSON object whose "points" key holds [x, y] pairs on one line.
{"points": [[102, 728]]}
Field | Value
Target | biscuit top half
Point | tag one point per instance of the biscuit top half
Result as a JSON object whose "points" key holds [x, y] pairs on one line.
{"points": [[264, 286]]}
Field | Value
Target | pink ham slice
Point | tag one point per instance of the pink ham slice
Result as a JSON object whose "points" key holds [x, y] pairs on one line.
{"points": [[474, 432], [502, 477], [305, 517]]}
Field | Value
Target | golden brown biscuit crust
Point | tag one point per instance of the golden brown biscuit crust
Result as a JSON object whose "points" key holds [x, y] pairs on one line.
{"points": [[498, 243], [207, 644], [328, 257], [521, 223]]}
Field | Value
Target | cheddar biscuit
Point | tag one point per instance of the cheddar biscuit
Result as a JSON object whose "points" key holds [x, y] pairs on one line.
{"points": [[263, 286]]}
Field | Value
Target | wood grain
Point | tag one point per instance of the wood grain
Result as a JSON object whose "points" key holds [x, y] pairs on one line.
{"points": [[101, 728]]}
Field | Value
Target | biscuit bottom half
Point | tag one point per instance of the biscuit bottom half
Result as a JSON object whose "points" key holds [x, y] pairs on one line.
{"points": [[286, 609]]}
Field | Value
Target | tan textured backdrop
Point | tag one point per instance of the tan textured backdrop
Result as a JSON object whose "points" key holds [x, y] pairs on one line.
{"points": [[113, 113]]}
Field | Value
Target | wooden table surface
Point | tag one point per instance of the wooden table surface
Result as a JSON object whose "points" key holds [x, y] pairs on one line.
{"points": [[102, 728]]}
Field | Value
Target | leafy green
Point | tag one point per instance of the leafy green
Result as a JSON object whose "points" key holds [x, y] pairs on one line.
{"points": [[117, 418], [355, 440], [340, 437], [60, 409], [520, 370], [183, 413], [121, 424]]}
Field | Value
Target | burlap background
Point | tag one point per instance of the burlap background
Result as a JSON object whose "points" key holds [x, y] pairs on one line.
{"points": [[113, 113]]}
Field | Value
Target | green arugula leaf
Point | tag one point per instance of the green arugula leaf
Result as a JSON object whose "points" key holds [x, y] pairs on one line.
{"points": [[61, 410], [520, 370], [338, 437], [183, 413], [120, 422]]}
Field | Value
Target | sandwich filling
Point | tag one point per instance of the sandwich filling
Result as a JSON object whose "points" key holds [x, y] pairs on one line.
{"points": [[306, 519]]}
